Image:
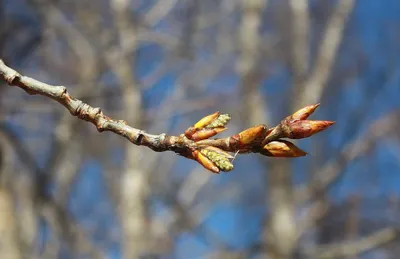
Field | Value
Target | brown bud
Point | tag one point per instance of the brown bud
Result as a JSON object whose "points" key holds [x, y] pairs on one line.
{"points": [[205, 162], [206, 120], [251, 134], [305, 112], [206, 133], [282, 148], [305, 128]]}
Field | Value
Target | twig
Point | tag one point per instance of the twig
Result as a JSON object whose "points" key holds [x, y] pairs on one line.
{"points": [[357, 247], [300, 34], [327, 53], [159, 11], [194, 143], [331, 172], [88, 113], [50, 209]]}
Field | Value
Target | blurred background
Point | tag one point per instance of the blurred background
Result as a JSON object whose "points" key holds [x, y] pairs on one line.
{"points": [[67, 191]]}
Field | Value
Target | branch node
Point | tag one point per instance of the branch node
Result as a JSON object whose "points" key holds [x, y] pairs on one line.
{"points": [[64, 92], [12, 77], [162, 137], [100, 123], [138, 137], [86, 112], [122, 122]]}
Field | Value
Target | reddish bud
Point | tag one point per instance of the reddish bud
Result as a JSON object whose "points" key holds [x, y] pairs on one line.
{"points": [[205, 162], [189, 132], [305, 128], [206, 133], [282, 148], [305, 112]]}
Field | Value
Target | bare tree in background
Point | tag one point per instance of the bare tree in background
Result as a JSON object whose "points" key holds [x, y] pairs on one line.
{"points": [[222, 55]]}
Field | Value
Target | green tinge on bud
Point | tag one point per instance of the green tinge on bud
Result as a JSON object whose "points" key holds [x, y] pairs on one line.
{"points": [[205, 162], [305, 112], [220, 151], [218, 158], [208, 126], [220, 121]]}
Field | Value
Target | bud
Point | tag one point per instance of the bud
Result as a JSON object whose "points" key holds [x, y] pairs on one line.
{"points": [[220, 121], [282, 148], [208, 126], [218, 157], [206, 120], [305, 128], [205, 162], [251, 134], [189, 132], [305, 112], [206, 133]]}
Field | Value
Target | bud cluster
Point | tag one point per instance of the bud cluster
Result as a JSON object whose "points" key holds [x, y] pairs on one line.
{"points": [[257, 139], [208, 126], [297, 126]]}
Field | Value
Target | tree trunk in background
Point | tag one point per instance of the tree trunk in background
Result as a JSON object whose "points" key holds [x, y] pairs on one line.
{"points": [[9, 242], [280, 230], [9, 248], [134, 181], [253, 109], [134, 184], [134, 192]]}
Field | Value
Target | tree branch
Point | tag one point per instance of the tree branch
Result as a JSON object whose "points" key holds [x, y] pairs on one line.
{"points": [[313, 87], [343, 250], [88, 113], [194, 143], [300, 34], [49, 208], [330, 172]]}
